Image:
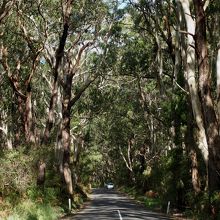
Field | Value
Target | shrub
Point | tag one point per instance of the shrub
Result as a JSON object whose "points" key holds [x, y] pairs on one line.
{"points": [[16, 173], [34, 211]]}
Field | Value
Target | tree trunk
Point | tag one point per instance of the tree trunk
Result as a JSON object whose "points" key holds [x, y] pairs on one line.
{"points": [[13, 78], [78, 146], [28, 118], [211, 124], [65, 132], [218, 80], [160, 67], [20, 121], [128, 160], [6, 134], [188, 63], [191, 149], [53, 100], [191, 80], [195, 173], [50, 119], [41, 173]]}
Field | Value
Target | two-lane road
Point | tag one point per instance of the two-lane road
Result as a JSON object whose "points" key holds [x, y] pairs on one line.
{"points": [[110, 205]]}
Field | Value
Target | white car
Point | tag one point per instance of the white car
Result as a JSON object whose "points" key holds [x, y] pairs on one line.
{"points": [[110, 186]]}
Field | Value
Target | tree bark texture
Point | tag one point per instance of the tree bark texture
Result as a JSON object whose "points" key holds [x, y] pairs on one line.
{"points": [[28, 118], [194, 171], [53, 100], [211, 124], [192, 151], [65, 131], [191, 80], [41, 173]]}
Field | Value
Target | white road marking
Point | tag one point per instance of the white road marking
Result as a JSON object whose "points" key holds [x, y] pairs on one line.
{"points": [[120, 215]]}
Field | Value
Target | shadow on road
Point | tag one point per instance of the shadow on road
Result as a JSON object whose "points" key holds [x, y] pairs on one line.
{"points": [[108, 204]]}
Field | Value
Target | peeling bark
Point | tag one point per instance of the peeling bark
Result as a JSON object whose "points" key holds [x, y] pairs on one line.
{"points": [[211, 123], [191, 80]]}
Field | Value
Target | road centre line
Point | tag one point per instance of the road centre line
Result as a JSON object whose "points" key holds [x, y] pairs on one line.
{"points": [[120, 215]]}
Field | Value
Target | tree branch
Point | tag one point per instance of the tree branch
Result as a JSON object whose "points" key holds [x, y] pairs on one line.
{"points": [[81, 91], [3, 130], [79, 55], [13, 81], [5, 8], [126, 162]]}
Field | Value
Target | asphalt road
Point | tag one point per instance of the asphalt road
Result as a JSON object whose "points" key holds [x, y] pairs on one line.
{"points": [[108, 204]]}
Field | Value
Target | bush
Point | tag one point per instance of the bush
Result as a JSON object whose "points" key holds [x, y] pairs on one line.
{"points": [[21, 198], [17, 174], [19, 195], [34, 211]]}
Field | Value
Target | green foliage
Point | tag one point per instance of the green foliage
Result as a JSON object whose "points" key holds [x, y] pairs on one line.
{"points": [[20, 173], [171, 178], [21, 198], [125, 104], [91, 163], [136, 57], [34, 211], [150, 203], [49, 195]]}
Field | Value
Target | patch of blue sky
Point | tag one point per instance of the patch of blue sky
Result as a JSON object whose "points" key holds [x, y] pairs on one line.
{"points": [[42, 60], [122, 4]]}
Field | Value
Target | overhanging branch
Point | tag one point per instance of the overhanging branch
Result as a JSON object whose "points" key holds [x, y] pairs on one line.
{"points": [[81, 91]]}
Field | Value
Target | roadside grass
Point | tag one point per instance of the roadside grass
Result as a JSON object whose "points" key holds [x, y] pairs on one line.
{"points": [[22, 199], [47, 204], [154, 204], [34, 205], [34, 211]]}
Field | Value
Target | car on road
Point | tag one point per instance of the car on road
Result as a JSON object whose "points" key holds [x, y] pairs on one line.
{"points": [[110, 186]]}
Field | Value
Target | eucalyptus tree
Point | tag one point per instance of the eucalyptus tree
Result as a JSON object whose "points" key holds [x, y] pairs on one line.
{"points": [[200, 86], [158, 25], [85, 28], [12, 64], [154, 36], [212, 17], [70, 64], [131, 139], [6, 8], [195, 64]]}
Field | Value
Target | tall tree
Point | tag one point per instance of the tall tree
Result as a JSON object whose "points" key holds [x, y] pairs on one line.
{"points": [[210, 119]]}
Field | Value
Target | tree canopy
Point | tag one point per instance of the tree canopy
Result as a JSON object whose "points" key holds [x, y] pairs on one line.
{"points": [[94, 91]]}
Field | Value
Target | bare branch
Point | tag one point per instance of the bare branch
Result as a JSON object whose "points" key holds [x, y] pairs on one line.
{"points": [[79, 55], [12, 80], [4, 130], [5, 8], [125, 160], [206, 4], [81, 91], [184, 32]]}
